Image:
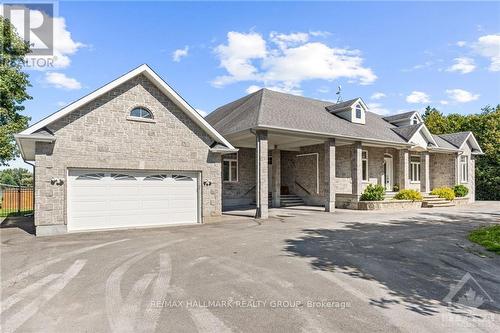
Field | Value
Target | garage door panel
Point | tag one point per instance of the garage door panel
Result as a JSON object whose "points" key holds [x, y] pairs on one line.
{"points": [[113, 199]]}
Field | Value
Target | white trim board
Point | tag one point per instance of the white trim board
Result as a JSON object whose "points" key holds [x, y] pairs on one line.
{"points": [[160, 84]]}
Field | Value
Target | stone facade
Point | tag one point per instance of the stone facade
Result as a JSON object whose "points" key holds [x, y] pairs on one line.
{"points": [[98, 135], [300, 170]]}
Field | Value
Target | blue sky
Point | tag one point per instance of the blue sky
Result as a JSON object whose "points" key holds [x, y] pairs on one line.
{"points": [[397, 56]]}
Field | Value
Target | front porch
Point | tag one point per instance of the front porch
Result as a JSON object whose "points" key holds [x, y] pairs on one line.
{"points": [[326, 172]]}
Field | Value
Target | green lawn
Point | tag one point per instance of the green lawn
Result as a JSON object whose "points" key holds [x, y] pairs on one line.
{"points": [[5, 212], [489, 237]]}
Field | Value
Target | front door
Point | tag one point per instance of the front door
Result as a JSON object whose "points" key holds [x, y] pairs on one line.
{"points": [[388, 173]]}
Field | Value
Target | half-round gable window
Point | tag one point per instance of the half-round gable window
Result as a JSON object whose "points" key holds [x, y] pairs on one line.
{"points": [[140, 112]]}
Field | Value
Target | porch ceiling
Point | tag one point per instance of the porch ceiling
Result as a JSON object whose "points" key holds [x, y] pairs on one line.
{"points": [[277, 140]]}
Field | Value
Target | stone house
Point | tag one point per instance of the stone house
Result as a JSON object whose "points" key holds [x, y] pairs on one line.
{"points": [[327, 153], [134, 153]]}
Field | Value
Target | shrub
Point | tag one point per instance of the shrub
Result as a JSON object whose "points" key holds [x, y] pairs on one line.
{"points": [[412, 195], [444, 192], [373, 193], [460, 190], [395, 188]]}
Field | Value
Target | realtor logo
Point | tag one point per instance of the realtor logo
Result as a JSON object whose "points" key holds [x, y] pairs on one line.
{"points": [[467, 292], [34, 23]]}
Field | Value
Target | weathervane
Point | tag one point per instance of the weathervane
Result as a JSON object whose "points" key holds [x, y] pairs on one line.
{"points": [[339, 94]]}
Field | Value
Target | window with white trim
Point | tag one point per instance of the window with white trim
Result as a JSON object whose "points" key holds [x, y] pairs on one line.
{"points": [[364, 165], [141, 112], [230, 167], [359, 111], [415, 168], [464, 169], [414, 120]]}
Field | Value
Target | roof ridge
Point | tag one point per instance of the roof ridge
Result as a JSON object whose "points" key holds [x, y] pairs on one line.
{"points": [[259, 109]]}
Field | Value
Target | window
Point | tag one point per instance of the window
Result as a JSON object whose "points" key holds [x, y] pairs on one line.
{"points": [[464, 169], [155, 177], [358, 111], [91, 176], [141, 112], [364, 165], [414, 120], [230, 168], [121, 176], [415, 168]]}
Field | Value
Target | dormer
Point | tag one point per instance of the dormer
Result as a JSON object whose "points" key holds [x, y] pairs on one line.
{"points": [[405, 119], [353, 110]]}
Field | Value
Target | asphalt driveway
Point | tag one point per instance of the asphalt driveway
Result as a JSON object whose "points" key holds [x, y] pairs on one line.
{"points": [[300, 271]]}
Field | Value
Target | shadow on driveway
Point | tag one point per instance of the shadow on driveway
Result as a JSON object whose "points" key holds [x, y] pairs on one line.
{"points": [[416, 258]]}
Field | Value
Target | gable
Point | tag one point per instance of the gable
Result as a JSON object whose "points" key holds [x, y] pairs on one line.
{"points": [[140, 82]]}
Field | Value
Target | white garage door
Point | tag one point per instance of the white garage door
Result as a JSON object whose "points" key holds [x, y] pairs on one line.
{"points": [[117, 199]]}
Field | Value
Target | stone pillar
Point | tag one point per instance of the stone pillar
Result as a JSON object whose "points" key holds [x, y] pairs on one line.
{"points": [[357, 170], [330, 175], [261, 186], [457, 169], [404, 169], [276, 186], [472, 179], [425, 181]]}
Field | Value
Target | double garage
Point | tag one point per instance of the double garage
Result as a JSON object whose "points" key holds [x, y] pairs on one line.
{"points": [[104, 199]]}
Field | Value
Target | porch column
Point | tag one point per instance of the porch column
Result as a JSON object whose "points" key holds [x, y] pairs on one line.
{"points": [[329, 175], [261, 186], [457, 167], [425, 181], [357, 170], [276, 186], [404, 169]]}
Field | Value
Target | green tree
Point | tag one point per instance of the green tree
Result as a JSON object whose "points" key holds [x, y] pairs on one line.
{"points": [[16, 177], [13, 85], [486, 128]]}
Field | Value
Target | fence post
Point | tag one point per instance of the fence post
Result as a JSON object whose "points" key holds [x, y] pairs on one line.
{"points": [[19, 199]]}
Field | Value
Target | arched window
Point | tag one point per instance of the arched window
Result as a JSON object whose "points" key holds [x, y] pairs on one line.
{"points": [[140, 112]]}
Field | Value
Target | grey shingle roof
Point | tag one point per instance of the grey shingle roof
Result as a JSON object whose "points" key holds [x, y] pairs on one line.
{"points": [[442, 143], [400, 116], [341, 105], [44, 131], [406, 132], [269, 108], [456, 139]]}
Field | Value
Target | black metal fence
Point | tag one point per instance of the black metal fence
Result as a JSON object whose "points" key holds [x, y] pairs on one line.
{"points": [[16, 200]]}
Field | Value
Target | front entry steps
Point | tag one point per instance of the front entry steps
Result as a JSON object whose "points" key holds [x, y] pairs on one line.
{"points": [[286, 200], [290, 200], [431, 201]]}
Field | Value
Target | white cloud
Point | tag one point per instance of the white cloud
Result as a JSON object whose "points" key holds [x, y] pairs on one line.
{"points": [[463, 65], [203, 113], [489, 46], [417, 97], [319, 33], [287, 61], [324, 90], [378, 108], [378, 95], [60, 80], [253, 88], [444, 102], [461, 96], [178, 54], [461, 43]]}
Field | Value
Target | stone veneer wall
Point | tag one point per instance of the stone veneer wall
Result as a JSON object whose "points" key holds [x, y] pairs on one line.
{"points": [[99, 136], [442, 170], [241, 192]]}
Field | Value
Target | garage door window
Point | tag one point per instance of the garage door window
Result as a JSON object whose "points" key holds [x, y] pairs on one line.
{"points": [[155, 177], [91, 176], [121, 176], [181, 178]]}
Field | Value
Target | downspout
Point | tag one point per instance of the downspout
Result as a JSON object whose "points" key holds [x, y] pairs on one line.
{"points": [[257, 175], [33, 165]]}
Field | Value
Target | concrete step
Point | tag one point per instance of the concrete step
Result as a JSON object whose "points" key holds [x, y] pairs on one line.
{"points": [[444, 204], [430, 196]]}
